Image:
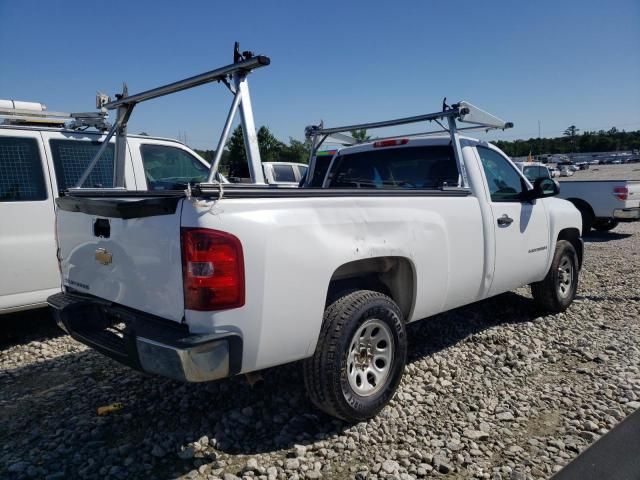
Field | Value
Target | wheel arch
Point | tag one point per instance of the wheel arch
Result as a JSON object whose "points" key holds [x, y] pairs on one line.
{"points": [[579, 202], [391, 275], [572, 235]]}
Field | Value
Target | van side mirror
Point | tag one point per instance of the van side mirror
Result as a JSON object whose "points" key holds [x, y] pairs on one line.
{"points": [[543, 187]]}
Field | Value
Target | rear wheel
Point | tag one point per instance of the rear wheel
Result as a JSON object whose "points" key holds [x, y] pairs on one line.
{"points": [[558, 289], [360, 356], [605, 225], [587, 217]]}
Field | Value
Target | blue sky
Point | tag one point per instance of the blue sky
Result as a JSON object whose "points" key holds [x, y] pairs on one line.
{"points": [[563, 63]]}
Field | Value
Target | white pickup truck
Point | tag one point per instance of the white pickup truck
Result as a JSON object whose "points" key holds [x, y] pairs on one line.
{"points": [[603, 203], [216, 280]]}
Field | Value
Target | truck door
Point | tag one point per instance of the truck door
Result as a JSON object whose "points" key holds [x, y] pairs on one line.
{"points": [[27, 243], [521, 227]]}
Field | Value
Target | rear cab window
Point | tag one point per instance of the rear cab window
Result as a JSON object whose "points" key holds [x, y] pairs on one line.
{"points": [[21, 170], [171, 168], [322, 162], [419, 167], [284, 173]]}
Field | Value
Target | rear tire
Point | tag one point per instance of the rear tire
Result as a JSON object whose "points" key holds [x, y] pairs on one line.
{"points": [[587, 218], [558, 289], [360, 356], [605, 225]]}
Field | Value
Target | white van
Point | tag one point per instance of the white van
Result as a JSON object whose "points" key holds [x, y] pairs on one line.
{"points": [[36, 163]]}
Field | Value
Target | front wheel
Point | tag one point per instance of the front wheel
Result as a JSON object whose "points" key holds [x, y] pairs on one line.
{"points": [[360, 356], [558, 289]]}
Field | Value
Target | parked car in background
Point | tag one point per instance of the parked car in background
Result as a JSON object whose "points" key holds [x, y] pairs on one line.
{"points": [[36, 163], [566, 172], [284, 173], [533, 170], [603, 203]]}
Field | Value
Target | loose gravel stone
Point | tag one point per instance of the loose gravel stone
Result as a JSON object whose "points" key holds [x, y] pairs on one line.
{"points": [[492, 390]]}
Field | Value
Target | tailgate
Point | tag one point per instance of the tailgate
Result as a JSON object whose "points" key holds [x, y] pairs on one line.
{"points": [[634, 192], [125, 250]]}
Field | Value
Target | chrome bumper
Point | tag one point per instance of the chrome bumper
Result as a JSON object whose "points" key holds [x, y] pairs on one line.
{"points": [[147, 343], [628, 214], [200, 363]]}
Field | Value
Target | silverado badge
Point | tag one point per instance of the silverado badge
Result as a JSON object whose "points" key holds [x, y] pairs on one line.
{"points": [[103, 256]]}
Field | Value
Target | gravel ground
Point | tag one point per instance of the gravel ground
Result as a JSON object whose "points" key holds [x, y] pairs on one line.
{"points": [[491, 391], [628, 171]]}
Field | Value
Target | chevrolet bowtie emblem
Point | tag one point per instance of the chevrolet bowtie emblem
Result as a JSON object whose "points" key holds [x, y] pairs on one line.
{"points": [[103, 256]]}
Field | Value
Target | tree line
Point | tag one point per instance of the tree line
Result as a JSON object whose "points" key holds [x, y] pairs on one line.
{"points": [[573, 141], [234, 158]]}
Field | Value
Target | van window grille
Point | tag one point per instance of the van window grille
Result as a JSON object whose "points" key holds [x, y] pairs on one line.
{"points": [[21, 173], [71, 158]]}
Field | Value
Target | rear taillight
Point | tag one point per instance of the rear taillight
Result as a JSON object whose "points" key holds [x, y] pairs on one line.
{"points": [[212, 269], [622, 193], [391, 143]]}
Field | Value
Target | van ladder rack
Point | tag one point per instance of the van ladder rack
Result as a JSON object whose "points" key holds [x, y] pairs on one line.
{"points": [[461, 111], [234, 76], [38, 113]]}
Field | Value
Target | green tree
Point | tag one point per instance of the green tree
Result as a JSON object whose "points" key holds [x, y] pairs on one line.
{"points": [[296, 151], [236, 163], [270, 147], [571, 132], [600, 141], [360, 135]]}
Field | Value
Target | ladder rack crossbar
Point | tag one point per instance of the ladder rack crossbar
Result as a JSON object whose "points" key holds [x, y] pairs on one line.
{"points": [[207, 77], [386, 123], [462, 111]]}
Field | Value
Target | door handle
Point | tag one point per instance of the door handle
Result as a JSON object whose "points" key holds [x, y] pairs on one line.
{"points": [[505, 220]]}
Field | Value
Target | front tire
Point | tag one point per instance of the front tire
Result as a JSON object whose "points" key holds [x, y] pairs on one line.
{"points": [[558, 289], [360, 356]]}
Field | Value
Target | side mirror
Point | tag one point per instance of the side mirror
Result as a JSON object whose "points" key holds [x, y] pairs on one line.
{"points": [[544, 187]]}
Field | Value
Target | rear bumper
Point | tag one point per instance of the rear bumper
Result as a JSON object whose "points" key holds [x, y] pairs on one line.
{"points": [[627, 214], [147, 343]]}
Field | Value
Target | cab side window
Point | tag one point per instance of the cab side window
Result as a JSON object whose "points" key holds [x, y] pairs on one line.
{"points": [[21, 174], [505, 184]]}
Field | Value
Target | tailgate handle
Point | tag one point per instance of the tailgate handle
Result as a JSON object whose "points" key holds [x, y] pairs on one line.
{"points": [[101, 228]]}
